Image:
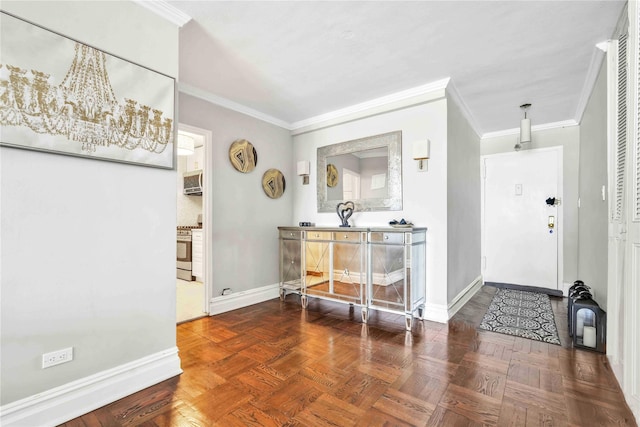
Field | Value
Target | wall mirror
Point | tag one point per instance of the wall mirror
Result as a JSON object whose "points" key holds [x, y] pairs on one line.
{"points": [[367, 171]]}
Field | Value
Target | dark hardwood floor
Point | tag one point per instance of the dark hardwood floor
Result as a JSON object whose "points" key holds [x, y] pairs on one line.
{"points": [[274, 364]]}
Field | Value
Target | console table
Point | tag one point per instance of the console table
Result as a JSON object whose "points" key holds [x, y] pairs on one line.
{"points": [[372, 268]]}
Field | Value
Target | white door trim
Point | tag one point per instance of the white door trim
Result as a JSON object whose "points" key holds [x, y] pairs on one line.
{"points": [[207, 208], [631, 285], [560, 212]]}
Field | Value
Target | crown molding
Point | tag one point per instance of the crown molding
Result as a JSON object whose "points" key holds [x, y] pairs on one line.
{"points": [[452, 91], [415, 96], [590, 81], [165, 10], [395, 101], [536, 128], [604, 46], [187, 89]]}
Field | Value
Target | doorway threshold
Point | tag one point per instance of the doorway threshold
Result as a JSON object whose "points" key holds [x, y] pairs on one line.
{"points": [[548, 291]]}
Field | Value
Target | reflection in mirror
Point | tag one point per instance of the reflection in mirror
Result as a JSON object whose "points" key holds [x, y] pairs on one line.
{"points": [[367, 171], [361, 174]]}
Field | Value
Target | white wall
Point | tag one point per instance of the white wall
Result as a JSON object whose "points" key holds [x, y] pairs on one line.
{"points": [[463, 202], [424, 193], [593, 221], [88, 247], [569, 139], [245, 220]]}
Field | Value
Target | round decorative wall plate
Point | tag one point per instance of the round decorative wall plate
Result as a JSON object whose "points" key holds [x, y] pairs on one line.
{"points": [[273, 183], [243, 155], [332, 175]]}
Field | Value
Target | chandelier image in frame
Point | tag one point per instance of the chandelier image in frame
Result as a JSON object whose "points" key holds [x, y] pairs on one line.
{"points": [[63, 96]]}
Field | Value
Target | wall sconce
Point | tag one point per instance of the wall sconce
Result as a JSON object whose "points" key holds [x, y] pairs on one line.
{"points": [[525, 129], [303, 171], [186, 145], [421, 153]]}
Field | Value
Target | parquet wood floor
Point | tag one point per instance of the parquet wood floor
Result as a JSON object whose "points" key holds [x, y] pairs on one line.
{"points": [[274, 364]]}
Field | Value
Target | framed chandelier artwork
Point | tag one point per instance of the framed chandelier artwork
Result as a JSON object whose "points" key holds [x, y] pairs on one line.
{"points": [[61, 96]]}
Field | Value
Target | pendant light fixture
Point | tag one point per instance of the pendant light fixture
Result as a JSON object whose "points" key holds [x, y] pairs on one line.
{"points": [[525, 129]]}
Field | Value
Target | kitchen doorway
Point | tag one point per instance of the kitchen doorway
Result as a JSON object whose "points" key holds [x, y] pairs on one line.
{"points": [[522, 218], [193, 271]]}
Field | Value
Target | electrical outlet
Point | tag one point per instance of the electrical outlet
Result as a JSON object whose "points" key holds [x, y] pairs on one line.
{"points": [[57, 357]]}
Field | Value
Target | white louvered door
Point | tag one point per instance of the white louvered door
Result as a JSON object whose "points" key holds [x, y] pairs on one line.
{"points": [[631, 381], [623, 291], [618, 109]]}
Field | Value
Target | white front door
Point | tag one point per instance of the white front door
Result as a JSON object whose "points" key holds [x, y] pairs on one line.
{"points": [[521, 231]]}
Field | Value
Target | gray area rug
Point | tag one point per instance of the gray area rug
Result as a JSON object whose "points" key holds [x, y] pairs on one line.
{"points": [[523, 314]]}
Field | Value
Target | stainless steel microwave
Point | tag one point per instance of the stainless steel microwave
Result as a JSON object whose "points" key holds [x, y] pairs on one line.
{"points": [[193, 183]]}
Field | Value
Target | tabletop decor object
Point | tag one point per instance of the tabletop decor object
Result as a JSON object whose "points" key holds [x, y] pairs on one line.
{"points": [[400, 224], [344, 211]]}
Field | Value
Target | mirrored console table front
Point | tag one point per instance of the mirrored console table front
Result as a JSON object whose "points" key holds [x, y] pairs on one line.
{"points": [[372, 268]]}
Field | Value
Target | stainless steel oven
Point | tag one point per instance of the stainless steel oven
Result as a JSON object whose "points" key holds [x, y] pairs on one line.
{"points": [[183, 250]]}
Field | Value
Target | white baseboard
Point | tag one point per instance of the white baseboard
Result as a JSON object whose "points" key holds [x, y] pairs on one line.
{"points": [[61, 404], [634, 405], [435, 313], [632, 401], [225, 303], [442, 313], [386, 279], [616, 367], [565, 288], [379, 279], [463, 297]]}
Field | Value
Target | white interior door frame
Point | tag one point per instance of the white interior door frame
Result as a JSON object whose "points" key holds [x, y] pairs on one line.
{"points": [[560, 210], [207, 209], [631, 382]]}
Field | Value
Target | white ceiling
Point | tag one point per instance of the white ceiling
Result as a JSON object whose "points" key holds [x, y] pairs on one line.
{"points": [[294, 61]]}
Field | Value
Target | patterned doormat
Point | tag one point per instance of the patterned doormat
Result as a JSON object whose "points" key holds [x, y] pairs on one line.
{"points": [[523, 314]]}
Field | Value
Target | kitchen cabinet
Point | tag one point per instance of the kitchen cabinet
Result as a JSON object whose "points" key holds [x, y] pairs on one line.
{"points": [[371, 268], [196, 160], [197, 254]]}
